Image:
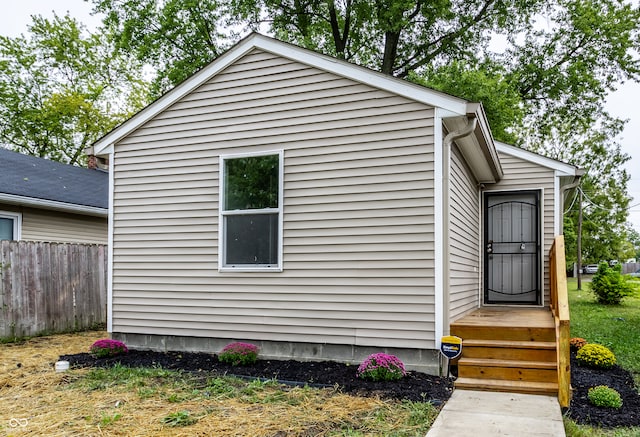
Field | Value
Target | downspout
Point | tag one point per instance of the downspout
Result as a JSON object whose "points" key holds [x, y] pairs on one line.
{"points": [[571, 186], [574, 184], [446, 196]]}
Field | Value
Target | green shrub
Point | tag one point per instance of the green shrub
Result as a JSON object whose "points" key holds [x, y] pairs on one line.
{"points": [[596, 355], [381, 367], [603, 396], [238, 354], [576, 343], [609, 285]]}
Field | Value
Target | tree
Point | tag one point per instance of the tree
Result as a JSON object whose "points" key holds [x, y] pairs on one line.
{"points": [[633, 237], [545, 91], [175, 37], [605, 200], [487, 84], [62, 88], [396, 37]]}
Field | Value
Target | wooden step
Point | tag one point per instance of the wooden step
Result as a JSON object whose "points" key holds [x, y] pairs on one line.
{"points": [[516, 333], [510, 349], [514, 370], [530, 387]]}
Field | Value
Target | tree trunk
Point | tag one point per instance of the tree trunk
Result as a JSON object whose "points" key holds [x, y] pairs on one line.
{"points": [[391, 40]]}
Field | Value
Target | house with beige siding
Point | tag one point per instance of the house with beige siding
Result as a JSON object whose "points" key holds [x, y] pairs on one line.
{"points": [[320, 210], [44, 200]]}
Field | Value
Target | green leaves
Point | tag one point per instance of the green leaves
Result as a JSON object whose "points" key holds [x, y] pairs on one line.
{"points": [[175, 37], [62, 88], [486, 83], [610, 286]]}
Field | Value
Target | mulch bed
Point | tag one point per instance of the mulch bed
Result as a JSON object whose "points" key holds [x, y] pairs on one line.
{"points": [[415, 387], [581, 411]]}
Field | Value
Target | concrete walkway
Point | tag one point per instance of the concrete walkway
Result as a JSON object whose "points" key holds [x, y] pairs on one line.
{"points": [[488, 414]]}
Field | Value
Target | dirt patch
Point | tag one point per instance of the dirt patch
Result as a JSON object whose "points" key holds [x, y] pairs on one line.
{"points": [[415, 386], [37, 401], [583, 378], [31, 390]]}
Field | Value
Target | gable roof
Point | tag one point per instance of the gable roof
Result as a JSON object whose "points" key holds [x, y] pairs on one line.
{"points": [[561, 168], [448, 107], [37, 182]]}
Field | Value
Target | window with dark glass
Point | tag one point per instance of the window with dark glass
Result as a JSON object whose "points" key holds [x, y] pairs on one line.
{"points": [[9, 225], [6, 228], [251, 211]]}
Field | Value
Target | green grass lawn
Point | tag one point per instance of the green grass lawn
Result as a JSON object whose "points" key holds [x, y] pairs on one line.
{"points": [[614, 326]]}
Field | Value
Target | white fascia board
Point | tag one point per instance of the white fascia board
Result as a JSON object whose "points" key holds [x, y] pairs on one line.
{"points": [[364, 75], [340, 67], [53, 205], [561, 168], [439, 291], [105, 144]]}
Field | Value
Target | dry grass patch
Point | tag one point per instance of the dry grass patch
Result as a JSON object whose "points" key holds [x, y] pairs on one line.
{"points": [[123, 401]]}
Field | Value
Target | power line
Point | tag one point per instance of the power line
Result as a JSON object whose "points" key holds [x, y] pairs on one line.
{"points": [[628, 208]]}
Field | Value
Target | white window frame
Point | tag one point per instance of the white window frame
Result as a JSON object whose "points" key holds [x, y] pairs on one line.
{"points": [[17, 223], [222, 251]]}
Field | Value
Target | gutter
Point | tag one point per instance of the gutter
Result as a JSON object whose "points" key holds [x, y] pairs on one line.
{"points": [[54, 205], [472, 122]]}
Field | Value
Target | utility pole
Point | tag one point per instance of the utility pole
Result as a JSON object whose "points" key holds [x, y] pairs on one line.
{"points": [[580, 240]]}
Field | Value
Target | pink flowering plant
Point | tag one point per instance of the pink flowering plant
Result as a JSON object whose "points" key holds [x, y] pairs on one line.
{"points": [[381, 367], [108, 348], [239, 354]]}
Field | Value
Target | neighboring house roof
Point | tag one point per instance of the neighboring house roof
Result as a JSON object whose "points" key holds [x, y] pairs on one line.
{"points": [[454, 111], [37, 182]]}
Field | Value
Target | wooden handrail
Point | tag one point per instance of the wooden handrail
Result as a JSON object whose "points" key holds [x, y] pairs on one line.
{"points": [[560, 308]]}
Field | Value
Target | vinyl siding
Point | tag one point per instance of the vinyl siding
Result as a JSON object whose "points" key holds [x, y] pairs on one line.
{"points": [[525, 175], [53, 226], [464, 241], [358, 212]]}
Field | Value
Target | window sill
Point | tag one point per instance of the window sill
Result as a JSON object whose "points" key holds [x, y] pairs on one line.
{"points": [[243, 269]]}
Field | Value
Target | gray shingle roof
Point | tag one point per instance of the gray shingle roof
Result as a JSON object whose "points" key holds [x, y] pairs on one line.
{"points": [[28, 176]]}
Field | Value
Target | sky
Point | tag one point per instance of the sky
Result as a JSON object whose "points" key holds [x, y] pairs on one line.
{"points": [[623, 103]]}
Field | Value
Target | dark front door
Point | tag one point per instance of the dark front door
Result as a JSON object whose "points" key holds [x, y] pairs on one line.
{"points": [[512, 247]]}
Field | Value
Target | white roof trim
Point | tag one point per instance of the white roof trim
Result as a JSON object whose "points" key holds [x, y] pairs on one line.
{"points": [[342, 68], [561, 168], [53, 205]]}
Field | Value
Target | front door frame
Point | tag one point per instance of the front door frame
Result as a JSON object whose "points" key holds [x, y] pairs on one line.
{"points": [[540, 245]]}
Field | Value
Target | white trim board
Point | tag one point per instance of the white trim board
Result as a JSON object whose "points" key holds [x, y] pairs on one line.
{"points": [[110, 247], [53, 205], [561, 168], [438, 230]]}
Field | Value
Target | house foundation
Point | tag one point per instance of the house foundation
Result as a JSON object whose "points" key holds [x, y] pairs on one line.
{"points": [[421, 360]]}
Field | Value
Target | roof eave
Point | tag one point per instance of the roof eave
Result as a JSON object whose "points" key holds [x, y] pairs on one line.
{"points": [[53, 205], [479, 149], [561, 168]]}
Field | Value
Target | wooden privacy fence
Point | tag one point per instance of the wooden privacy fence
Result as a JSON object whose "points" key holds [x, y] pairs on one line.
{"points": [[51, 287]]}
